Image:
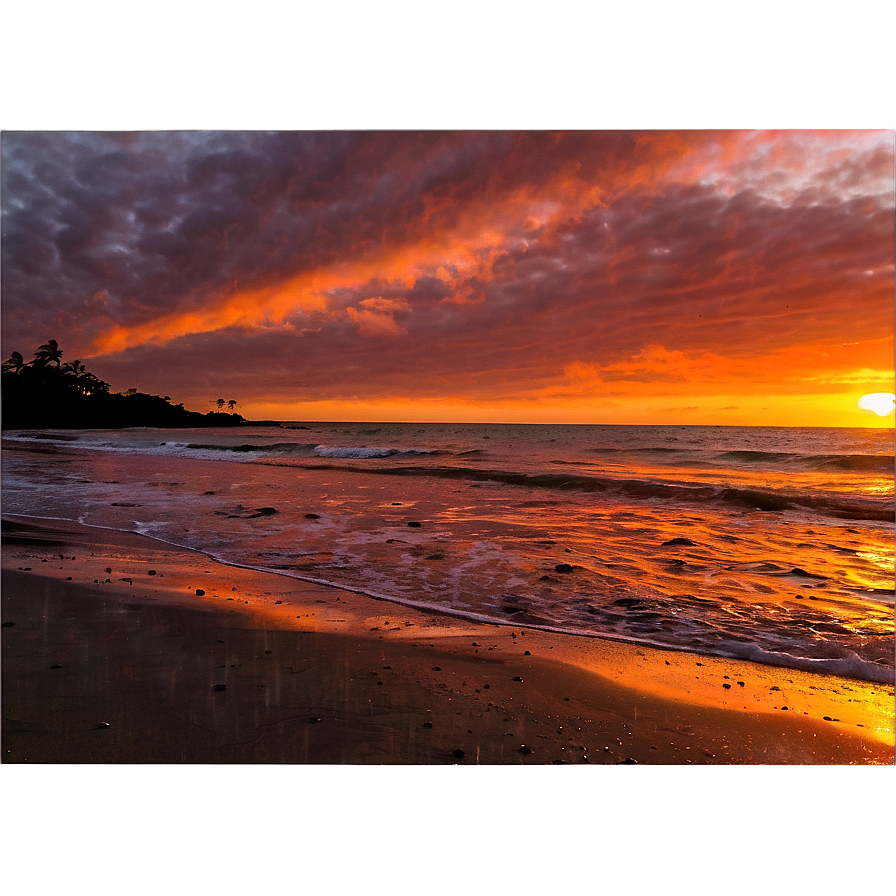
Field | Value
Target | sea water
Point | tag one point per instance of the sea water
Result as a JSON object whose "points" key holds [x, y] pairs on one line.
{"points": [[769, 544]]}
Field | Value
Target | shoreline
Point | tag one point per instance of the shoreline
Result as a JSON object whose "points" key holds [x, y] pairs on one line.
{"points": [[135, 666]]}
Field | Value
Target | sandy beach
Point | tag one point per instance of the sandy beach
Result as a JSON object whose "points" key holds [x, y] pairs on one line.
{"points": [[119, 649], [156, 739]]}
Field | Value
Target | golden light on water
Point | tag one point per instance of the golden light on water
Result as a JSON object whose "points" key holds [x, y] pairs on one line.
{"points": [[882, 403]]}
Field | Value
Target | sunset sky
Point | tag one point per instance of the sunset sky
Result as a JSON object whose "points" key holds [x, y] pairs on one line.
{"points": [[728, 277]]}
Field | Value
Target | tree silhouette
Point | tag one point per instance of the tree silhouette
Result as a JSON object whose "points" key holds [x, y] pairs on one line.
{"points": [[48, 353], [231, 405], [15, 363], [47, 393]]}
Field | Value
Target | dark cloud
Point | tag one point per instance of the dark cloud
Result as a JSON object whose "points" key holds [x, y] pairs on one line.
{"points": [[480, 262]]}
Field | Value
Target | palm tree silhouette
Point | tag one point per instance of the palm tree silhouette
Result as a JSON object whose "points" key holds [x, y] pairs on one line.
{"points": [[75, 368], [231, 405], [48, 353], [15, 362]]}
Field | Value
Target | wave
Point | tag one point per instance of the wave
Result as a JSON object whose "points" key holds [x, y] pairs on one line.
{"points": [[647, 489], [881, 464], [258, 452], [364, 452], [868, 463], [284, 448]]}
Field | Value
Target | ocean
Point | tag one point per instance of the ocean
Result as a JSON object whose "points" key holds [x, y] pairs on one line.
{"points": [[768, 544]]}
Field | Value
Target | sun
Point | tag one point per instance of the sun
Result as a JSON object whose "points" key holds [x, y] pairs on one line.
{"points": [[882, 403]]}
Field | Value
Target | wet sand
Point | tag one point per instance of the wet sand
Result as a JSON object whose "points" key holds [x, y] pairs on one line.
{"points": [[312, 746], [110, 655]]}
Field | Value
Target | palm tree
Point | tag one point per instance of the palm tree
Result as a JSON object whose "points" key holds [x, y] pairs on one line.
{"points": [[48, 353], [15, 363], [231, 405], [220, 403], [74, 368]]}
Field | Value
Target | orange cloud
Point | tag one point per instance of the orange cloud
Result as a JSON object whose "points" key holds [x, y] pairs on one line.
{"points": [[376, 317]]}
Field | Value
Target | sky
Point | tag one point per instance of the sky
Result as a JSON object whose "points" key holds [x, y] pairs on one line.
{"points": [[683, 277]]}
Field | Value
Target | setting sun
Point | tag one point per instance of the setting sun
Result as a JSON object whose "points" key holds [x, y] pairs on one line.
{"points": [[882, 403]]}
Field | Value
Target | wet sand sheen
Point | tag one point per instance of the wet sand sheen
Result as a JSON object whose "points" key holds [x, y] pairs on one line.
{"points": [[114, 657]]}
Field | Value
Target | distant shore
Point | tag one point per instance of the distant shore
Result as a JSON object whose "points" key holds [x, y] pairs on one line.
{"points": [[119, 649]]}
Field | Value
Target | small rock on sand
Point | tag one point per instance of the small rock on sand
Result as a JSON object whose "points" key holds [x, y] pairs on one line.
{"points": [[458, 754], [563, 567], [219, 687], [200, 592], [263, 511]]}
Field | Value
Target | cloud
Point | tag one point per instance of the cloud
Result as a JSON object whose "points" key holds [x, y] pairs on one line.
{"points": [[509, 263], [376, 316]]}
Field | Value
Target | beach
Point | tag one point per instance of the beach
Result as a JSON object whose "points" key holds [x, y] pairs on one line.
{"points": [[120, 649]]}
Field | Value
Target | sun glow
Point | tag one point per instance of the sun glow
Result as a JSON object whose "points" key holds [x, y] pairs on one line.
{"points": [[882, 403]]}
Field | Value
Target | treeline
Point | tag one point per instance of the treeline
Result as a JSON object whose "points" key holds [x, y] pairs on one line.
{"points": [[47, 393]]}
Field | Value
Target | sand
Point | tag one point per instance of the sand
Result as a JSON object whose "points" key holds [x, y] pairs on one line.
{"points": [[224, 742], [111, 655]]}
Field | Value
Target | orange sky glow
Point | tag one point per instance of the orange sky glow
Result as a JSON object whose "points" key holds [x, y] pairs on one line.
{"points": [[735, 277]]}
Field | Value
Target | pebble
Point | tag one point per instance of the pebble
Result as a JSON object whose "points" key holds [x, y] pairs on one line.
{"points": [[104, 725], [200, 592], [458, 754], [526, 750], [516, 678], [527, 653], [151, 572], [263, 511], [8, 624], [427, 724], [563, 567], [726, 686], [414, 524], [219, 687]]}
